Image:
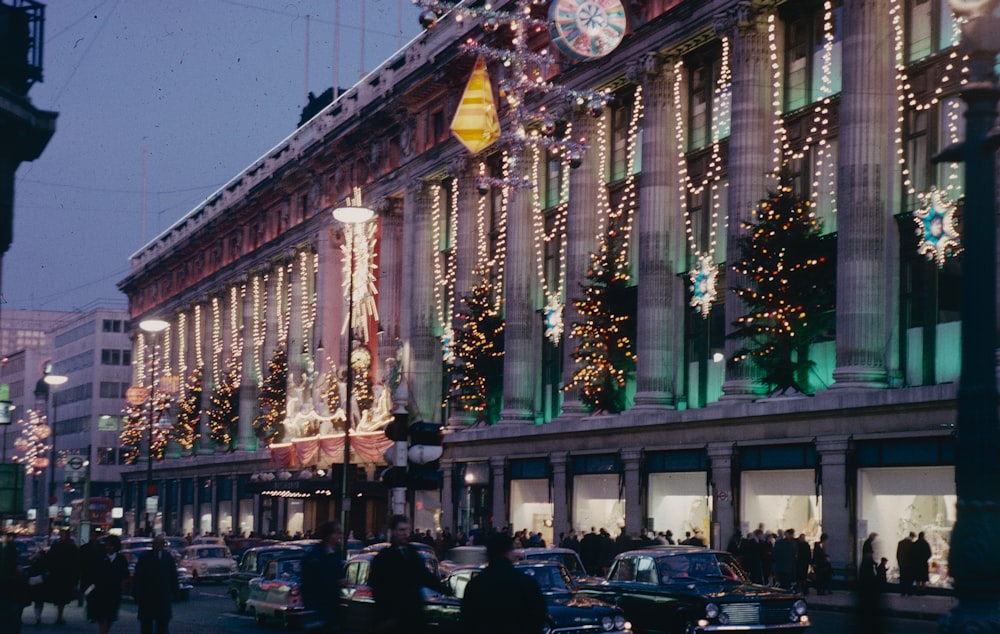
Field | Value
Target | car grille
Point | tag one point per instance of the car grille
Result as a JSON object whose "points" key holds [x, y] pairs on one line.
{"points": [[754, 613], [218, 570], [583, 629]]}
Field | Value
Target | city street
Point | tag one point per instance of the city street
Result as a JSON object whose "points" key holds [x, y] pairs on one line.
{"points": [[210, 610]]}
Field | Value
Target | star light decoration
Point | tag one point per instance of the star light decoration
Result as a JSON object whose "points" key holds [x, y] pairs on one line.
{"points": [[704, 280], [525, 72], [939, 238]]}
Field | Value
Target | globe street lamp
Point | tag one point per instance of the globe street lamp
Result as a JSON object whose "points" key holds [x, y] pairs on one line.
{"points": [[153, 327], [349, 215], [52, 381]]}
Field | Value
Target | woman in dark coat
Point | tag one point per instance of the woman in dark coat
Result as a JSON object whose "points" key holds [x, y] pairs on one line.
{"points": [[104, 596], [920, 555]]}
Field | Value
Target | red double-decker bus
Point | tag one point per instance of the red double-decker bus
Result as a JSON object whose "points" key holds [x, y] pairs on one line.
{"points": [[99, 512]]}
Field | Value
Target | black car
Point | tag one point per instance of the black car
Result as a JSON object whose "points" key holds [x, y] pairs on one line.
{"points": [[686, 589], [566, 556], [252, 565], [568, 611], [357, 598]]}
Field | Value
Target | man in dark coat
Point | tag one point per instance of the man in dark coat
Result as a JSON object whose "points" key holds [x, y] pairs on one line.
{"points": [[154, 586], [903, 549], [13, 585], [920, 555], [786, 553], [323, 577], [63, 565], [590, 551], [501, 600], [397, 576]]}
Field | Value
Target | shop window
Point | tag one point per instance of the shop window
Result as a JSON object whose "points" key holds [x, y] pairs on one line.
{"points": [[811, 71], [781, 498], [678, 502]]}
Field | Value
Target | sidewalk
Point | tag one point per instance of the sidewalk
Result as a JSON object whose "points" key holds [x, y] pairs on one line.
{"points": [[930, 607]]}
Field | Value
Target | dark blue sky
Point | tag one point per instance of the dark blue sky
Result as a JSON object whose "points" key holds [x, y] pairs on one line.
{"points": [[211, 85]]}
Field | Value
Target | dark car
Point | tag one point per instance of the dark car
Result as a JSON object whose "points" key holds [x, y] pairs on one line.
{"points": [[685, 589], [278, 592], [356, 596], [568, 611], [252, 565], [566, 556], [461, 557]]}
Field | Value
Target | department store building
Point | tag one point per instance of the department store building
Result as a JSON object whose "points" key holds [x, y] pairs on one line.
{"points": [[710, 100]]}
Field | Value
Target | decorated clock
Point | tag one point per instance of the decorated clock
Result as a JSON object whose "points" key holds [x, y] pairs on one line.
{"points": [[587, 29]]}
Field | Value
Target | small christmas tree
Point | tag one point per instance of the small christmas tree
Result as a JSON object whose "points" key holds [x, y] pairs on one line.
{"points": [[790, 291], [272, 398], [606, 352], [476, 370], [185, 431], [223, 417]]}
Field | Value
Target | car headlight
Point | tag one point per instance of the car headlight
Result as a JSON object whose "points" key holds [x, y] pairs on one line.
{"points": [[799, 607], [607, 623], [620, 622], [712, 611]]}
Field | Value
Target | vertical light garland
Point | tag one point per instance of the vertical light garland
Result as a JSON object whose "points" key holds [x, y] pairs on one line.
{"points": [[482, 232], [199, 346], [436, 250], [182, 346], [500, 260], [286, 313], [167, 338], [314, 297], [216, 339], [140, 359], [257, 328], [305, 306]]}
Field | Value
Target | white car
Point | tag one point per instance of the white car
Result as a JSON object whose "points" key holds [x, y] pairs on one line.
{"points": [[208, 562]]}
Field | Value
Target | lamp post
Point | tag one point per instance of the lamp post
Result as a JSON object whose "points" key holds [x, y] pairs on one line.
{"points": [[972, 559], [154, 327], [349, 215], [469, 479], [52, 381]]}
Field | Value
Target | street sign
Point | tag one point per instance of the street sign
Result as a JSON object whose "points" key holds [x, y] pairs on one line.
{"points": [[76, 466]]}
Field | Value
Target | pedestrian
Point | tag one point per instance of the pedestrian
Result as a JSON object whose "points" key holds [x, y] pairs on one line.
{"points": [[323, 577], [154, 587], [491, 595], [920, 556], [752, 553], [13, 585], [869, 611], [63, 566], [590, 547], [822, 565], [104, 588], [90, 555], [784, 559], [398, 575], [803, 560], [903, 550]]}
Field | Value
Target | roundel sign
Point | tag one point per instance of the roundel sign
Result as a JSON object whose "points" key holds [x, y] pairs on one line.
{"points": [[587, 29], [136, 395]]}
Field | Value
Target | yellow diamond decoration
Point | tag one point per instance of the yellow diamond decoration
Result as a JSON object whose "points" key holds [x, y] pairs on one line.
{"points": [[476, 124]]}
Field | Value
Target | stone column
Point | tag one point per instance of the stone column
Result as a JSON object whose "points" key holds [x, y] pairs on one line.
{"points": [[560, 508], [329, 296], [521, 336], [390, 276], [749, 165], [864, 180], [205, 445], [467, 242], [835, 507], [500, 517], [245, 439], [448, 496], [424, 369], [581, 241], [634, 507], [660, 314], [723, 504]]}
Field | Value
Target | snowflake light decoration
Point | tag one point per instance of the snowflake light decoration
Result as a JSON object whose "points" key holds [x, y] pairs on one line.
{"points": [[553, 319], [936, 229], [703, 282]]}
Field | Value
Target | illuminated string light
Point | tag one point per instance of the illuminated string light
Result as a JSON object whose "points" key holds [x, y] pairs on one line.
{"points": [[216, 339], [199, 346], [182, 343]]}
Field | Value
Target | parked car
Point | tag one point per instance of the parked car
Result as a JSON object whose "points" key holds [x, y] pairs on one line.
{"points": [[687, 589], [184, 578], [357, 599], [567, 610], [208, 539], [208, 562], [253, 564], [278, 592], [239, 545], [566, 556], [460, 557], [426, 553]]}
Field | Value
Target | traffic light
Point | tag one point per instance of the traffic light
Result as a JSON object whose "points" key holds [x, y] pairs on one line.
{"points": [[396, 455], [423, 468]]}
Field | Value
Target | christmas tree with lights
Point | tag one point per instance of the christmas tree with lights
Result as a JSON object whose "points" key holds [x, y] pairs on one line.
{"points": [[476, 369], [272, 398], [185, 431], [134, 425], [789, 292], [224, 414], [606, 352]]}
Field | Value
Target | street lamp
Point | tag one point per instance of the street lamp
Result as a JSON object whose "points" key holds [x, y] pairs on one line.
{"points": [[52, 381], [469, 479], [349, 215], [153, 327]]}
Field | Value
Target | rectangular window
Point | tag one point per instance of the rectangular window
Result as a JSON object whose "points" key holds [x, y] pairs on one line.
{"points": [[110, 389], [699, 101], [553, 182], [917, 155], [106, 455], [929, 28], [621, 115], [111, 357], [811, 71]]}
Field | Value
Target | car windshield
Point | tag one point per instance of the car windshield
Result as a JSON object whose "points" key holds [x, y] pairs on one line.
{"points": [[695, 567], [288, 568], [570, 560], [550, 579], [211, 553]]}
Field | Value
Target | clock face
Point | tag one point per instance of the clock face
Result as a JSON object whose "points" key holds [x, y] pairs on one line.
{"points": [[587, 29]]}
